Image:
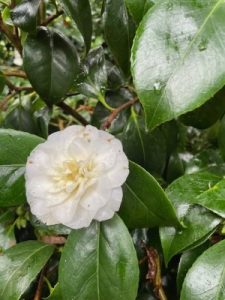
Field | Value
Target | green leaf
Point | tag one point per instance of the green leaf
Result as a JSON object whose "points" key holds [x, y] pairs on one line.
{"points": [[24, 15], [7, 237], [205, 280], [119, 32], [20, 119], [92, 80], [186, 261], [12, 184], [99, 262], [20, 265], [138, 8], [51, 64], [206, 115], [144, 202], [170, 59], [199, 222], [148, 149], [80, 11], [15, 146]]}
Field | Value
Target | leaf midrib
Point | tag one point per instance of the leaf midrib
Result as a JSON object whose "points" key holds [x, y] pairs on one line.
{"points": [[182, 60]]}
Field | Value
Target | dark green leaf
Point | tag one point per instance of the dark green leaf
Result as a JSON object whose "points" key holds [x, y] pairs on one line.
{"points": [[138, 8], [144, 203], [20, 119], [99, 262], [206, 115], [175, 167], [92, 80], [20, 265], [24, 15], [186, 261], [170, 58], [118, 32], [205, 279], [149, 149], [51, 64], [80, 11]]}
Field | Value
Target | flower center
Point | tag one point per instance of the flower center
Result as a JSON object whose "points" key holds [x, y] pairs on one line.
{"points": [[71, 174]]}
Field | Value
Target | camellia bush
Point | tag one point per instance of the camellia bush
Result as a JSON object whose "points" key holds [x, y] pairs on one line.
{"points": [[112, 149]]}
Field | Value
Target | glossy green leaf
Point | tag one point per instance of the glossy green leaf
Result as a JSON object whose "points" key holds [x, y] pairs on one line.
{"points": [[199, 223], [80, 11], [138, 8], [51, 64], [144, 202], [92, 80], [99, 262], [15, 146], [205, 280], [170, 59], [119, 32], [24, 15], [148, 149], [186, 261], [20, 265]]}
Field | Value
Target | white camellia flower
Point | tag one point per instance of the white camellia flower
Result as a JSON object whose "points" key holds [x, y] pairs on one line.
{"points": [[76, 177]]}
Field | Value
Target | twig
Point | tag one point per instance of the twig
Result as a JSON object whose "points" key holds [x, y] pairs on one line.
{"points": [[52, 18], [115, 113], [53, 239], [66, 108], [14, 73], [154, 272], [40, 285], [11, 37], [13, 87]]}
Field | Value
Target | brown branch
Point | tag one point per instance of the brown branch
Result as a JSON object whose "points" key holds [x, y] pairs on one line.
{"points": [[52, 18], [115, 113], [38, 293], [11, 37], [13, 87], [67, 109], [154, 272], [53, 239], [14, 73]]}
